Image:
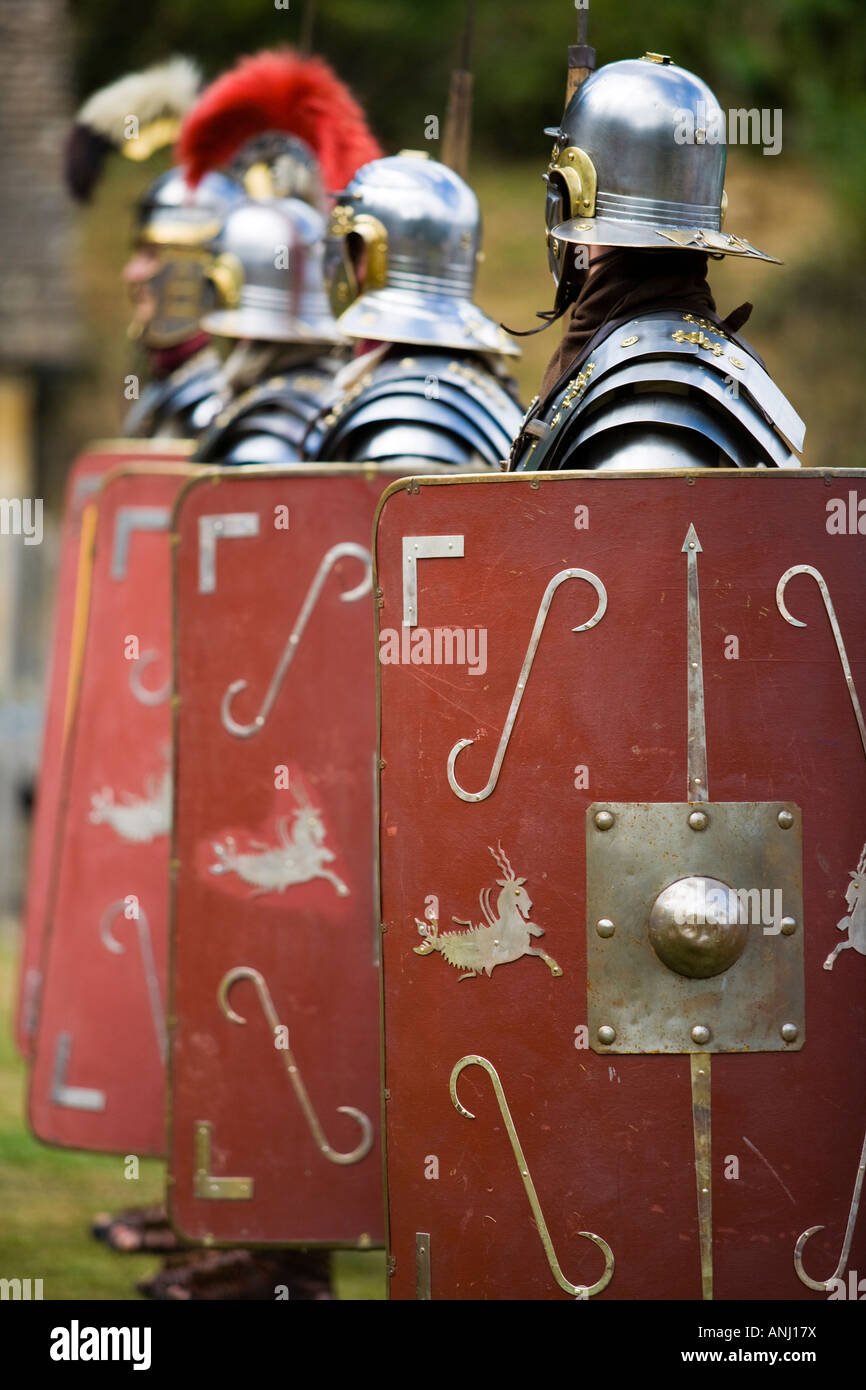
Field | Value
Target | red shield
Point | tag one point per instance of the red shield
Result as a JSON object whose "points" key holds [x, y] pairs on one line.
{"points": [[83, 482], [97, 1080], [623, 814], [274, 1069]]}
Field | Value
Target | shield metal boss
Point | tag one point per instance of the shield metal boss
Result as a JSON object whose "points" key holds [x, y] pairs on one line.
{"points": [[83, 482], [97, 1080], [274, 1057], [623, 878]]}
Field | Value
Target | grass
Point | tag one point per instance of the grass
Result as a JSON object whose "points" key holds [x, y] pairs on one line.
{"points": [[48, 1197]]}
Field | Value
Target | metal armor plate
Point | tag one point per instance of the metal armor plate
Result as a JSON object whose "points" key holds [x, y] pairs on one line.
{"points": [[274, 1054], [623, 857], [83, 482], [97, 1080]]}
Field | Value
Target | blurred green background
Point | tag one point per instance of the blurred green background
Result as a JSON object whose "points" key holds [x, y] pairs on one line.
{"points": [[807, 205]]}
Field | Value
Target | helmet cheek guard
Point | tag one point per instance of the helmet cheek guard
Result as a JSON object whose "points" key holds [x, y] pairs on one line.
{"points": [[573, 171], [178, 290], [225, 276], [356, 257], [571, 189]]}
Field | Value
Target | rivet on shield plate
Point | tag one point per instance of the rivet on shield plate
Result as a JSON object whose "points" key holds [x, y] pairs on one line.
{"points": [[605, 927], [700, 1034], [606, 1034], [789, 1032], [604, 820], [789, 926], [699, 820], [785, 819]]}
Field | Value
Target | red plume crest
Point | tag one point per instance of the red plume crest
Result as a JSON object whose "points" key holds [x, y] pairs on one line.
{"points": [[278, 91]]}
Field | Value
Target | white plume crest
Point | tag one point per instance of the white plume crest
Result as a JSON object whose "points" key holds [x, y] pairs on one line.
{"points": [[167, 89]]}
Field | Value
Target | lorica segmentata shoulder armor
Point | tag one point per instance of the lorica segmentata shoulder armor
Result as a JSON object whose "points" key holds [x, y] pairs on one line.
{"points": [[664, 390], [430, 408], [180, 405], [268, 423]]}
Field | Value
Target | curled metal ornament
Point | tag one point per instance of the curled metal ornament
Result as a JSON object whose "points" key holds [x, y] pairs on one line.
{"points": [[837, 635], [526, 668], [257, 980], [337, 552], [148, 962], [581, 1291], [143, 695], [823, 1285]]}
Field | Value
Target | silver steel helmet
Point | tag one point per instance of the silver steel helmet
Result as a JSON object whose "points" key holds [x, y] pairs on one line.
{"points": [[639, 160], [184, 227], [421, 228], [279, 248], [276, 165]]}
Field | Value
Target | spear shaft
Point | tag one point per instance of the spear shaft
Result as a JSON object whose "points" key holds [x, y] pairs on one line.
{"points": [[308, 19], [457, 136], [581, 56]]}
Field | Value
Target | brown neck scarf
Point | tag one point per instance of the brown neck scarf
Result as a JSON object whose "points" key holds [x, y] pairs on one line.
{"points": [[620, 285]]}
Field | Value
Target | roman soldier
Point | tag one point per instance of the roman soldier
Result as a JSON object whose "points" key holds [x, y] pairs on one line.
{"points": [[177, 273], [287, 341], [429, 382], [174, 274], [648, 374], [289, 128]]}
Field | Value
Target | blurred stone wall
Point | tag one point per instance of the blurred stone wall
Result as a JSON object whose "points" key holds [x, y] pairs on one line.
{"points": [[38, 342], [37, 310]]}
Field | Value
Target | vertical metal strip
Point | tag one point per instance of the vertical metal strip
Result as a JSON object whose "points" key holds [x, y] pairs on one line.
{"points": [[698, 789], [80, 611], [702, 1125], [377, 888], [422, 1266]]}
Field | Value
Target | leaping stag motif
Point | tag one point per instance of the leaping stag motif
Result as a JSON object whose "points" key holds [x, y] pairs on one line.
{"points": [[855, 923], [298, 858], [329, 560], [138, 819], [503, 936], [257, 980]]}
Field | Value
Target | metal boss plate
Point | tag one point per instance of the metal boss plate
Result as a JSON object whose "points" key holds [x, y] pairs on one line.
{"points": [[695, 968]]}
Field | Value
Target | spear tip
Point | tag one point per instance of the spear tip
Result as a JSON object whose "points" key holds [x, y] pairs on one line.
{"points": [[691, 542]]}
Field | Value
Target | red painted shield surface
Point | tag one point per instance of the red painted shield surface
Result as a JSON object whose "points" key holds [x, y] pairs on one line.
{"points": [[623, 865], [97, 1080], [83, 482], [274, 1065]]}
